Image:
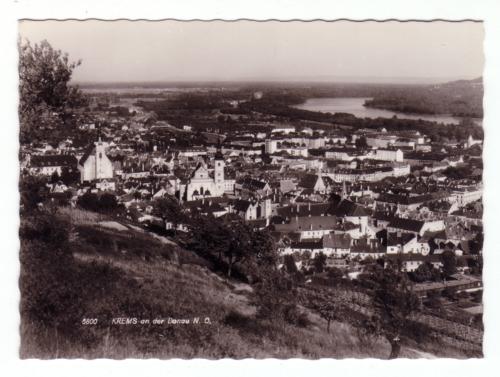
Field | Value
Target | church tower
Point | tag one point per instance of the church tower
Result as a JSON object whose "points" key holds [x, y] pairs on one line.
{"points": [[219, 172], [344, 191], [102, 163]]}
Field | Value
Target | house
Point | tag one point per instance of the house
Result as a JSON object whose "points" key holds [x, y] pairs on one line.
{"points": [[370, 174], [408, 202], [338, 245], [313, 182], [343, 154], [245, 209], [367, 248], [417, 227], [250, 187], [388, 155], [465, 195], [308, 227], [309, 248], [283, 129], [380, 140], [404, 243], [58, 187], [287, 185], [105, 185], [352, 213], [453, 160], [435, 167], [410, 262], [252, 209], [49, 164]]}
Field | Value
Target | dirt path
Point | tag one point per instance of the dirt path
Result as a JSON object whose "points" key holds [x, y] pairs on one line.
{"points": [[416, 354]]}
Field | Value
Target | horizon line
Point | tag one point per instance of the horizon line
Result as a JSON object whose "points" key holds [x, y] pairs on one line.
{"points": [[340, 80]]}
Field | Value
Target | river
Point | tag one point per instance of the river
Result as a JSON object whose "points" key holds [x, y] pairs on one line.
{"points": [[355, 106]]}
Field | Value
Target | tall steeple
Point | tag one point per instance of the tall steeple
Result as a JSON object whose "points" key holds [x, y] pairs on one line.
{"points": [[218, 154], [219, 170], [344, 191]]}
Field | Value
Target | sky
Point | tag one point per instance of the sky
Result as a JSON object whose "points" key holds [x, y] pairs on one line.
{"points": [[342, 51]]}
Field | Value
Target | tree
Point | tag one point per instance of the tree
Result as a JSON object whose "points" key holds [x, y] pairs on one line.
{"points": [[169, 209], [68, 176], [319, 262], [276, 299], [476, 265], [425, 272], [422, 273], [361, 143], [233, 244], [335, 275], [33, 191], [263, 249], [327, 309], [393, 304], [209, 237], [289, 264], [328, 303], [433, 300], [45, 96], [107, 203], [54, 178], [239, 246], [88, 201], [449, 260]]}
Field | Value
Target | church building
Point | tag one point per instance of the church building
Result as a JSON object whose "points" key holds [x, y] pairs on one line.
{"points": [[202, 184], [94, 164]]}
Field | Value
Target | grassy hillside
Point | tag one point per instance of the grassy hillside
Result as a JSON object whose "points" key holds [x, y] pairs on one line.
{"points": [[77, 266]]}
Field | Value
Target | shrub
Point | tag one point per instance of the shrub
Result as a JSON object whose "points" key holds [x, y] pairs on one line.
{"points": [[450, 293], [236, 319]]}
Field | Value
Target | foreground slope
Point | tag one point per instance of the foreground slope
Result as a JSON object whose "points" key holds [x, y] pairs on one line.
{"points": [[86, 285]]}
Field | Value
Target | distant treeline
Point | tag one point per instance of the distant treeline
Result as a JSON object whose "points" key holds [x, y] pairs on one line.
{"points": [[460, 98], [437, 132]]}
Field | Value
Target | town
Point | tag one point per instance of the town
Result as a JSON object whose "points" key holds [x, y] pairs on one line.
{"points": [[333, 198], [347, 195], [294, 219]]}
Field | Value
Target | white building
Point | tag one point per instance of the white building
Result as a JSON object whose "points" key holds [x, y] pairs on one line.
{"points": [[283, 129], [94, 164], [471, 141], [389, 155], [463, 196], [293, 149], [380, 141], [315, 142], [202, 184], [271, 146]]}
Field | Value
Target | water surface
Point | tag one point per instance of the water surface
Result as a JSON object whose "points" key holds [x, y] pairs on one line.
{"points": [[355, 106]]}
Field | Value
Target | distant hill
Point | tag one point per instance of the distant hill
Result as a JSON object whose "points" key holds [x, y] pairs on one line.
{"points": [[478, 80], [462, 98]]}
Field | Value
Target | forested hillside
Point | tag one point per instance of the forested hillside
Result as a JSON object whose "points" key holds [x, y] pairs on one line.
{"points": [[458, 98]]}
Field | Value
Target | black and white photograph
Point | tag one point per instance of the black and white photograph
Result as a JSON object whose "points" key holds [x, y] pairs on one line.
{"points": [[250, 189]]}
